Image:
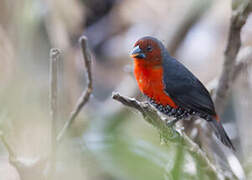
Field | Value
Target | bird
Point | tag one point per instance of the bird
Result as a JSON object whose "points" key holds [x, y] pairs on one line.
{"points": [[172, 88]]}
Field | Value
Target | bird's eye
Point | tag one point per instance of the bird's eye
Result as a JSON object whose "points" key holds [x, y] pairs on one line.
{"points": [[149, 48]]}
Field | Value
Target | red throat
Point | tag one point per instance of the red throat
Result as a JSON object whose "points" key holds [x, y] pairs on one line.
{"points": [[150, 81]]}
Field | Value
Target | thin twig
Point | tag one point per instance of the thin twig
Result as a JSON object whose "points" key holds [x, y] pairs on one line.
{"points": [[53, 100], [152, 116], [238, 19], [83, 99], [53, 91], [12, 155]]}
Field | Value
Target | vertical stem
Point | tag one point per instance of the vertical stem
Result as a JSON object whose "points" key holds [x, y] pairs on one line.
{"points": [[178, 163], [199, 166], [53, 99]]}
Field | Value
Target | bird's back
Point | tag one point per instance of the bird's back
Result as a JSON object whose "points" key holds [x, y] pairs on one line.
{"points": [[184, 88]]}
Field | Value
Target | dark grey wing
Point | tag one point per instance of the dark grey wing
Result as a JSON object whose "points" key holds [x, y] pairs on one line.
{"points": [[185, 89]]}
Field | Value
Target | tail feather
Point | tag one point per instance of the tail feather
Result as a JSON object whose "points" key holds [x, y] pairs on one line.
{"points": [[221, 133]]}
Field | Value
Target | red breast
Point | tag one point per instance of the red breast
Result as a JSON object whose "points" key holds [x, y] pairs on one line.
{"points": [[150, 81]]}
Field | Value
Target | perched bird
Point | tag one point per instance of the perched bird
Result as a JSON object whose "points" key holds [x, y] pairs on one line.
{"points": [[171, 88]]}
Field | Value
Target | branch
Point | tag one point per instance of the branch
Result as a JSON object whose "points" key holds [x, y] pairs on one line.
{"points": [[195, 149], [28, 168], [53, 99], [12, 155], [169, 133], [238, 19], [243, 62], [53, 91], [84, 98]]}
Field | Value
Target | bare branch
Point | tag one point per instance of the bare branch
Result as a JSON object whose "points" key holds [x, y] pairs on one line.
{"points": [[12, 155], [83, 99], [53, 91], [25, 165], [28, 168], [53, 100], [169, 133], [243, 62], [238, 19]]}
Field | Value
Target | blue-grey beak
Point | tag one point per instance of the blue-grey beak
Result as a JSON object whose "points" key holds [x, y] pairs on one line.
{"points": [[137, 53]]}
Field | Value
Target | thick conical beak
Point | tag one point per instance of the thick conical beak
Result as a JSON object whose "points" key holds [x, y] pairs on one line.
{"points": [[137, 53]]}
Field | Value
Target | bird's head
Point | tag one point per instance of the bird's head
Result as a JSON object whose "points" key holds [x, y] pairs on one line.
{"points": [[148, 50]]}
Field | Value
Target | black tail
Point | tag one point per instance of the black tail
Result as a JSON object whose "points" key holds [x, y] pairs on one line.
{"points": [[221, 133]]}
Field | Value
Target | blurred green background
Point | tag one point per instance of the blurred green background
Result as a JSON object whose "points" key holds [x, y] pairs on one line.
{"points": [[108, 141]]}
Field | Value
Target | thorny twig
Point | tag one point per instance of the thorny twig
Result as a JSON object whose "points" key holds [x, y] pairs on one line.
{"points": [[151, 116], [238, 19], [83, 99]]}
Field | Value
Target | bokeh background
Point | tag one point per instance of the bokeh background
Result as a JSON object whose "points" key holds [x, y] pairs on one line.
{"points": [[108, 141]]}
